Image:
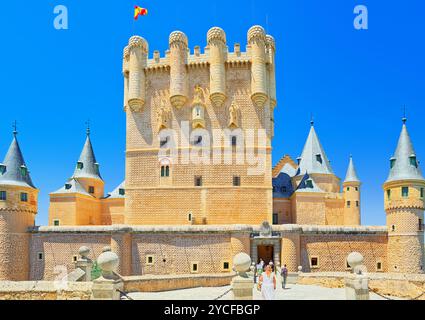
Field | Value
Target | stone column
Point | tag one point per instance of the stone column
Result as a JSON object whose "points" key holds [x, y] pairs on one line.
{"points": [[84, 263], [290, 248], [178, 73], [356, 283], [240, 242], [109, 284], [242, 284], [257, 43], [216, 39], [138, 50], [121, 242]]}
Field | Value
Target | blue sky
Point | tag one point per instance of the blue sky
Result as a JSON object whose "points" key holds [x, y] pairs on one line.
{"points": [[355, 82]]}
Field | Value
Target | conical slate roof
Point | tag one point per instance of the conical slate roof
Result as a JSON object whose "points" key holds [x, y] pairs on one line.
{"points": [[305, 187], [116, 193], [13, 170], [404, 165], [90, 168], [313, 158], [72, 186], [351, 175]]}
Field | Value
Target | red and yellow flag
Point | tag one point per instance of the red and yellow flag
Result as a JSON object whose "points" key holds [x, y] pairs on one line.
{"points": [[139, 11]]}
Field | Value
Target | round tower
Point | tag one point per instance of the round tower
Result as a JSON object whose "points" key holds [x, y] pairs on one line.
{"points": [[18, 208], [404, 206], [271, 51], [178, 73], [351, 195], [137, 61], [257, 43], [216, 39]]}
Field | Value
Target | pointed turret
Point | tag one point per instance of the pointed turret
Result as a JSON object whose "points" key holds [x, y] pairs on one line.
{"points": [[13, 170], [404, 165], [351, 194], [351, 175], [87, 166], [313, 158], [404, 205]]}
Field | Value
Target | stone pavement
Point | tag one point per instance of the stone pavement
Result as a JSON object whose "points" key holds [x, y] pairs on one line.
{"points": [[293, 292]]}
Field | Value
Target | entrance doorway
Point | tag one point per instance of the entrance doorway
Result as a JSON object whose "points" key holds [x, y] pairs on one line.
{"points": [[265, 252]]}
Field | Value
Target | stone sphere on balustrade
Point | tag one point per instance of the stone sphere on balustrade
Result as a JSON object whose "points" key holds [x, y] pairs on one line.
{"points": [[242, 262], [108, 261], [355, 259]]}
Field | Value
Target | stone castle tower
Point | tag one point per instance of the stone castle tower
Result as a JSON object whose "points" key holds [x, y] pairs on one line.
{"points": [[174, 105], [404, 205], [351, 192], [18, 208]]}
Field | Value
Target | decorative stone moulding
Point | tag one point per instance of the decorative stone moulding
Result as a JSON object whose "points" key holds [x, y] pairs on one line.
{"points": [[216, 34], [218, 98], [256, 33], [177, 38], [259, 99], [178, 101], [138, 42]]}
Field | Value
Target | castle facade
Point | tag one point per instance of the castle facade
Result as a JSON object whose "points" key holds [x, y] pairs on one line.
{"points": [[199, 184]]}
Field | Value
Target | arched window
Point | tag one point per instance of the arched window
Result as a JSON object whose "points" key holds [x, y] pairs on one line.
{"points": [[165, 167]]}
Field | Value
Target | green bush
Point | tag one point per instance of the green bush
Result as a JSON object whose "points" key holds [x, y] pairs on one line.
{"points": [[96, 272]]}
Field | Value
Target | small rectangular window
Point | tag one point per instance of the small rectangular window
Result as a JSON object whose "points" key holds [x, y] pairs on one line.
{"points": [[40, 256], [405, 192], [80, 165], [56, 222], [388, 194], [189, 216], [2, 168], [421, 225], [149, 260], [413, 161], [393, 227], [121, 192], [314, 262], [226, 265], [357, 204], [3, 196], [309, 184], [379, 266], [74, 258], [319, 158], [68, 186], [348, 204], [91, 189], [236, 181], [194, 268], [422, 192], [356, 188], [24, 197], [392, 163], [275, 218], [198, 181], [348, 188]]}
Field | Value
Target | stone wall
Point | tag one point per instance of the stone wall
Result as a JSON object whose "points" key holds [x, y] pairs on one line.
{"points": [[174, 282], [408, 286], [44, 290]]}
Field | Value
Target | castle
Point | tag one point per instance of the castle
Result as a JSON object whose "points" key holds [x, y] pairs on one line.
{"points": [[188, 205]]}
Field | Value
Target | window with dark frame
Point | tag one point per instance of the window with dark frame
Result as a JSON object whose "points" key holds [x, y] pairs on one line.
{"points": [[3, 195], [421, 225], [24, 197], [198, 181], [236, 181], [314, 261], [405, 192], [275, 218], [348, 204], [91, 189], [121, 191], [226, 265], [234, 141]]}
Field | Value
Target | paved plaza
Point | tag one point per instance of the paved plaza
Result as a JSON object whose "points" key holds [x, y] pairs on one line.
{"points": [[293, 292]]}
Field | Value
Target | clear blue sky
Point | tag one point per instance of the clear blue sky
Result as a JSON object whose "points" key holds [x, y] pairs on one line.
{"points": [[354, 82]]}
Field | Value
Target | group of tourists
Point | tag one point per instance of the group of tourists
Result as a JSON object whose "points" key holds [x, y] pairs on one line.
{"points": [[267, 278]]}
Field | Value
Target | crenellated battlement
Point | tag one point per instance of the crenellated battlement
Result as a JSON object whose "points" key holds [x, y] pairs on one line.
{"points": [[179, 60]]}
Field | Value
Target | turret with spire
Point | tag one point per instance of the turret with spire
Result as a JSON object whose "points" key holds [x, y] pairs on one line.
{"points": [[18, 209], [85, 187], [351, 195], [314, 162], [404, 192]]}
